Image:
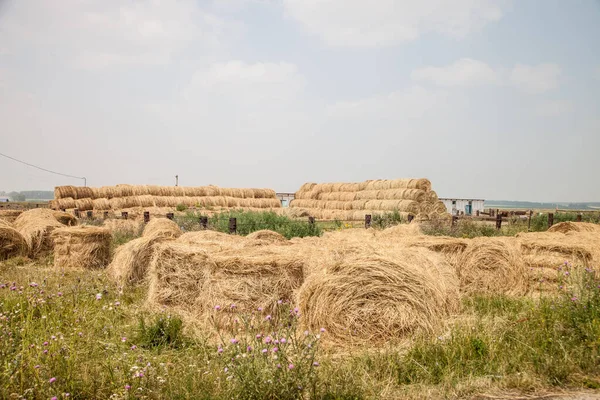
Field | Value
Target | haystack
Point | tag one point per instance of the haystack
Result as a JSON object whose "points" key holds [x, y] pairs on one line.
{"points": [[378, 298], [36, 226], [265, 237], [12, 243], [131, 261], [564, 227], [81, 247], [188, 278], [129, 227], [10, 215], [492, 265], [161, 227]]}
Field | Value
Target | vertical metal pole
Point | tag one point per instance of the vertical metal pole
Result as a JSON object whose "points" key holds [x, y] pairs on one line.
{"points": [[176, 180]]}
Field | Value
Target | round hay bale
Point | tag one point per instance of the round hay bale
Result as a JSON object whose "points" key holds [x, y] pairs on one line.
{"points": [[62, 192], [131, 261], [12, 243], [66, 203], [565, 227], [84, 204], [161, 228], [376, 299], [81, 247], [65, 218], [492, 265], [10, 215]]}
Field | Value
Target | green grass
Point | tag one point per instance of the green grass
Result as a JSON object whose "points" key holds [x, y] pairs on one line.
{"points": [[251, 221], [75, 332]]}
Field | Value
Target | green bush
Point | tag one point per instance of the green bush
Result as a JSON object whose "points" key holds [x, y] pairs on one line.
{"points": [[181, 207], [252, 221], [163, 331]]}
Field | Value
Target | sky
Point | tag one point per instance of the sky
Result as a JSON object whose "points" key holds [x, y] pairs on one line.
{"points": [[487, 99]]}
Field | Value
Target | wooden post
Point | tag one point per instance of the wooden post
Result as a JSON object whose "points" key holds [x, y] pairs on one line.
{"points": [[170, 216], [311, 221], [204, 222], [124, 214], [146, 217], [90, 214], [410, 218], [578, 217], [454, 220], [550, 219], [367, 221], [105, 215], [76, 211], [529, 220], [232, 225], [477, 213], [62, 209], [498, 221]]}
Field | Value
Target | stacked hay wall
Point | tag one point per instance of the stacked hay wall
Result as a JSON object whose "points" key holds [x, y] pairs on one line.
{"points": [[352, 201], [147, 196], [81, 247]]}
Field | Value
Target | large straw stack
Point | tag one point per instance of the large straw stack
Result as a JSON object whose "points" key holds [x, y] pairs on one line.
{"points": [[352, 201], [131, 196]]}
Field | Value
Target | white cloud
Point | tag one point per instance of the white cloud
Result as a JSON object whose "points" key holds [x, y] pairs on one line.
{"points": [[553, 108], [94, 34], [390, 22], [464, 72], [535, 78]]}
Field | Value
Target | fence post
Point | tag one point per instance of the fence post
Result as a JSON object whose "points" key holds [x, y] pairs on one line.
{"points": [[578, 217], [550, 219], [498, 221], [170, 216], [204, 222], [367, 221], [124, 214], [90, 214], [454, 220], [105, 215], [410, 218], [146, 217], [62, 209], [232, 225], [76, 211], [529, 220], [477, 213], [311, 222]]}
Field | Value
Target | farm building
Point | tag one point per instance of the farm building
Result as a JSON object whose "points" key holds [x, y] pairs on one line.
{"points": [[466, 206], [4, 199]]}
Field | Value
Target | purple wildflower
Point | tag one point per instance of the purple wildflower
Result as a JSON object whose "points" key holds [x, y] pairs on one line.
{"points": [[234, 341], [52, 380], [127, 387], [268, 317], [275, 350], [217, 307], [264, 351], [291, 366]]}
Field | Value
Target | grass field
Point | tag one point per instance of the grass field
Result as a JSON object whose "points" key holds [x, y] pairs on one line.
{"points": [[74, 334]]}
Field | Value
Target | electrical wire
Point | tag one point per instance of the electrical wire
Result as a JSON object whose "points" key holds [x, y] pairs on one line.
{"points": [[43, 169]]}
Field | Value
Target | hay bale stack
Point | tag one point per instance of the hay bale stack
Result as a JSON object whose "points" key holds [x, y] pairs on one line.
{"points": [[187, 277], [81, 247], [410, 196], [131, 261], [12, 243], [375, 299], [161, 228], [128, 196], [36, 226], [492, 265]]}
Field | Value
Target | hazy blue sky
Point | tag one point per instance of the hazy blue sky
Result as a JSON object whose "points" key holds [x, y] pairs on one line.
{"points": [[488, 99]]}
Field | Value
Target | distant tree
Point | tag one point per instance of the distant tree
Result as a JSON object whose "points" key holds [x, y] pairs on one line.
{"points": [[16, 196]]}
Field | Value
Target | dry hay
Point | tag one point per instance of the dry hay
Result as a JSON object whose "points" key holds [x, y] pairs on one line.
{"points": [[128, 227], [551, 249], [65, 218], [81, 247], [492, 265], [378, 298], [265, 236], [161, 228], [131, 261], [411, 229], [12, 243], [10, 215], [186, 277], [36, 226], [212, 241], [565, 227]]}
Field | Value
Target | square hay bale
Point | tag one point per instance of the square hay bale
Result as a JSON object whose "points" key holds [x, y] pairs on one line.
{"points": [[81, 247]]}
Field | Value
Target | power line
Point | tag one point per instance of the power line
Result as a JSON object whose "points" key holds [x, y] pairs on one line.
{"points": [[44, 169]]}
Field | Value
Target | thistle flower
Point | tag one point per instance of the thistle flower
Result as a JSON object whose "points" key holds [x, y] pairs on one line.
{"points": [[52, 380]]}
